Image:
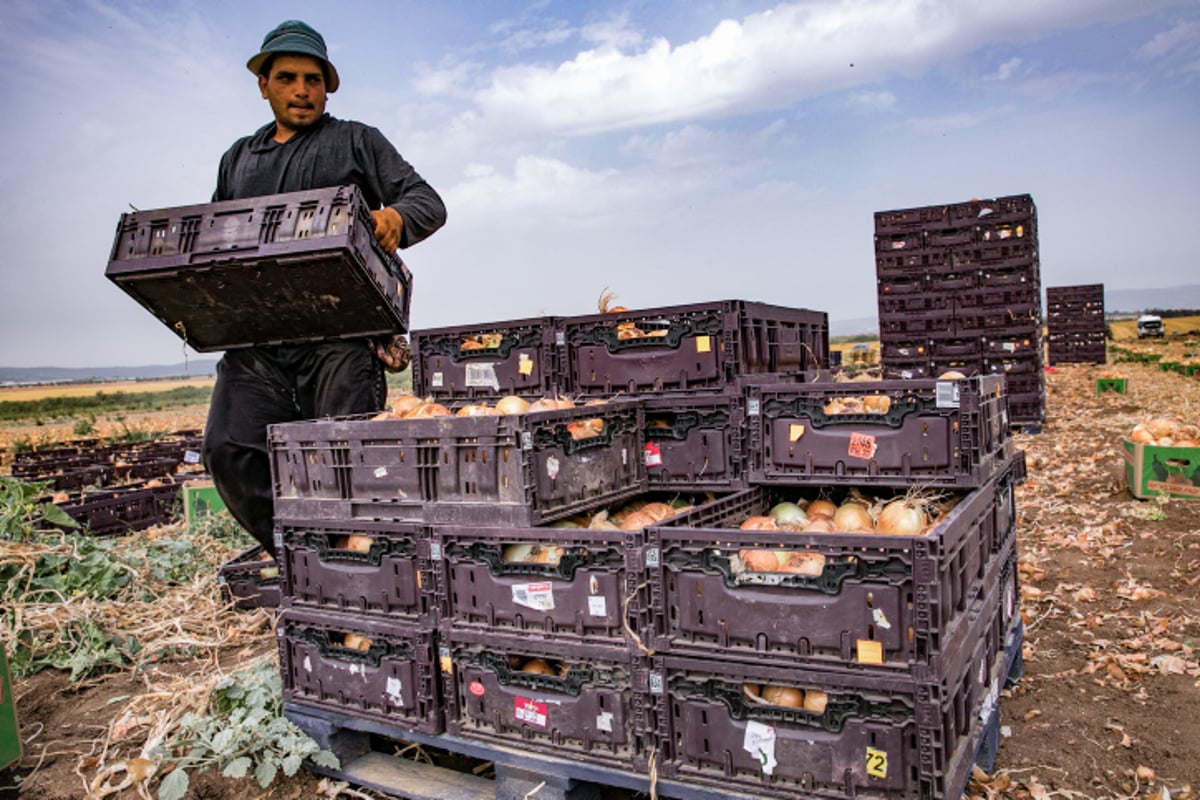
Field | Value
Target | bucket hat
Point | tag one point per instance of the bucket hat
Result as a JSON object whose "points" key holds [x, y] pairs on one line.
{"points": [[294, 36]]}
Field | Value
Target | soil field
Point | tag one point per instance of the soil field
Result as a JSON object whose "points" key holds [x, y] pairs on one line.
{"points": [[42, 391], [1109, 705]]}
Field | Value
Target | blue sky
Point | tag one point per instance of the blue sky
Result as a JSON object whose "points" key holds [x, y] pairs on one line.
{"points": [[672, 151]]}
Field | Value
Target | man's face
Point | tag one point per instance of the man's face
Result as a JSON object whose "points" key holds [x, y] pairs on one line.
{"points": [[295, 88]]}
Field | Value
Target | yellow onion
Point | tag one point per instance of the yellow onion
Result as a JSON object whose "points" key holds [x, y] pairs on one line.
{"points": [[1160, 427], [760, 560], [512, 404], [815, 700], [759, 524], [852, 517], [902, 517], [821, 507], [786, 696], [788, 514]]}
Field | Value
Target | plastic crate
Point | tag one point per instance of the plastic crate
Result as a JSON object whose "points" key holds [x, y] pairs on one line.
{"points": [[870, 602], [695, 442], [955, 348], [208, 271], [910, 263], [1018, 320], [952, 237], [248, 580], [958, 281], [1017, 364], [902, 240], [877, 736], [936, 432], [1076, 355], [904, 350], [125, 509], [511, 470], [900, 369], [997, 297], [487, 360], [698, 347], [393, 680], [913, 324], [1025, 383], [388, 570], [919, 303], [589, 713], [903, 284], [1114, 385], [1009, 272]]}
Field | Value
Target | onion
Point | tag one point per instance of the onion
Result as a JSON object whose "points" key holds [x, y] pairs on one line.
{"points": [[804, 563], [815, 700], [518, 553], [404, 404], [902, 517], [852, 517], [786, 696], [428, 409], [877, 403], [759, 524], [951, 375], [511, 404], [476, 410], [1160, 427], [537, 666], [820, 524], [786, 514], [750, 692], [760, 560], [821, 508], [659, 511], [1140, 435], [355, 641], [637, 520]]}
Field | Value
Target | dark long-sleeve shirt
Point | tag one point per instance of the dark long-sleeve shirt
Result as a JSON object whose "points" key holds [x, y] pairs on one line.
{"points": [[333, 152]]}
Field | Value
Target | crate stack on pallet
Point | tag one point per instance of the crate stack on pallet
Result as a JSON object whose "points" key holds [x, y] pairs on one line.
{"points": [[959, 289], [1075, 328], [504, 585]]}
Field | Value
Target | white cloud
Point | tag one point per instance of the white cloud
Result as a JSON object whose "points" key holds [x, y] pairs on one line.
{"points": [[870, 102], [955, 122], [615, 32], [1183, 38], [768, 60], [1007, 69]]}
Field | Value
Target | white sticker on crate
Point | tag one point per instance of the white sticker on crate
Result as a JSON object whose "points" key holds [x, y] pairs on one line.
{"points": [[881, 619], [946, 394], [381, 472], [483, 374], [759, 741], [395, 690], [437, 380], [552, 467], [604, 721], [598, 606], [191, 457], [538, 596]]}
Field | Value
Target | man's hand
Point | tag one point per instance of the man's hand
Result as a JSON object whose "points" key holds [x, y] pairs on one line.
{"points": [[388, 226], [395, 354]]}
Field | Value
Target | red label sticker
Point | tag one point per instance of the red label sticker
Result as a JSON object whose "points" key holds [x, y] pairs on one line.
{"points": [[476, 688], [530, 711], [653, 453], [862, 445]]}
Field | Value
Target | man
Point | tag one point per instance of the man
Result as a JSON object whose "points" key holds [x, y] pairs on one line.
{"points": [[305, 148]]}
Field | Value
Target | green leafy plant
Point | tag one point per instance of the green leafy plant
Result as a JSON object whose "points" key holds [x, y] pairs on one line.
{"points": [[85, 427], [243, 732], [21, 507]]}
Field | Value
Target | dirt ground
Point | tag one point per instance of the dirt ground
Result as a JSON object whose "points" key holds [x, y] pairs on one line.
{"points": [[1109, 706]]}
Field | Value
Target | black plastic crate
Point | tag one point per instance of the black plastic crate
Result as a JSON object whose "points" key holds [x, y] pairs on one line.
{"points": [[952, 236], [875, 736], [584, 708], [1010, 272], [908, 263], [936, 432], [124, 509], [990, 297], [512, 470], [898, 349], [899, 240], [365, 667], [1020, 319], [697, 347], [1023, 383], [955, 348], [968, 366], [999, 253], [869, 602], [1005, 346], [1077, 355], [916, 324], [890, 304], [954, 281], [486, 361], [903, 284], [1027, 409], [208, 271], [903, 369], [1017, 364], [250, 580], [695, 441], [371, 568]]}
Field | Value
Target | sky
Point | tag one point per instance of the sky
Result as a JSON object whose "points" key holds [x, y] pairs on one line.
{"points": [[670, 152]]}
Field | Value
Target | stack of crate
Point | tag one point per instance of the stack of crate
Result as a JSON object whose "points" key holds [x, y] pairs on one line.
{"points": [[1075, 326], [438, 586], [959, 289]]}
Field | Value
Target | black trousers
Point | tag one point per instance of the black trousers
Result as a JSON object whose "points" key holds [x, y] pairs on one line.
{"points": [[262, 386]]}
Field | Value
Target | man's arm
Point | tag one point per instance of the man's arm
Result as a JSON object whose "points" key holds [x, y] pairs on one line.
{"points": [[414, 210]]}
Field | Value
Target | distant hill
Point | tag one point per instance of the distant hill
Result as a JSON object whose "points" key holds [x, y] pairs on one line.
{"points": [[29, 375], [1131, 301]]}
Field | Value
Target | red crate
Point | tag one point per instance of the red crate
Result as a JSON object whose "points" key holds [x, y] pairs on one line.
{"points": [[696, 442], [208, 271], [588, 713], [936, 432], [386, 570], [393, 680], [487, 361], [519, 470], [698, 347]]}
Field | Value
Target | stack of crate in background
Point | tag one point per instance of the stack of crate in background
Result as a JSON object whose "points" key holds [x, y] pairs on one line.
{"points": [[959, 289], [462, 582], [1075, 327]]}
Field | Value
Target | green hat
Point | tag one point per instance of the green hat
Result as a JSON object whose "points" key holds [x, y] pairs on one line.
{"points": [[294, 36]]}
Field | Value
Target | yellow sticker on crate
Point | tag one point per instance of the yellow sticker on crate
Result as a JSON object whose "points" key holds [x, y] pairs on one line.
{"points": [[795, 431], [703, 344], [877, 763], [870, 651], [524, 364]]}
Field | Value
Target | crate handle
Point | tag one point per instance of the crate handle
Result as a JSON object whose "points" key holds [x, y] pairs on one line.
{"points": [[569, 562], [685, 422], [814, 410], [608, 335], [833, 719], [558, 435], [372, 656], [451, 347], [572, 683]]}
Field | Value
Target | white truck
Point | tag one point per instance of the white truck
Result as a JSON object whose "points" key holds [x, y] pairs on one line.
{"points": [[1149, 325]]}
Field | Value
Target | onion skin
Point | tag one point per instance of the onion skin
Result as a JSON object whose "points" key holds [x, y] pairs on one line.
{"points": [[901, 518], [759, 524], [537, 666], [512, 404], [853, 518], [785, 696], [760, 560], [815, 701], [788, 514], [825, 508]]}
